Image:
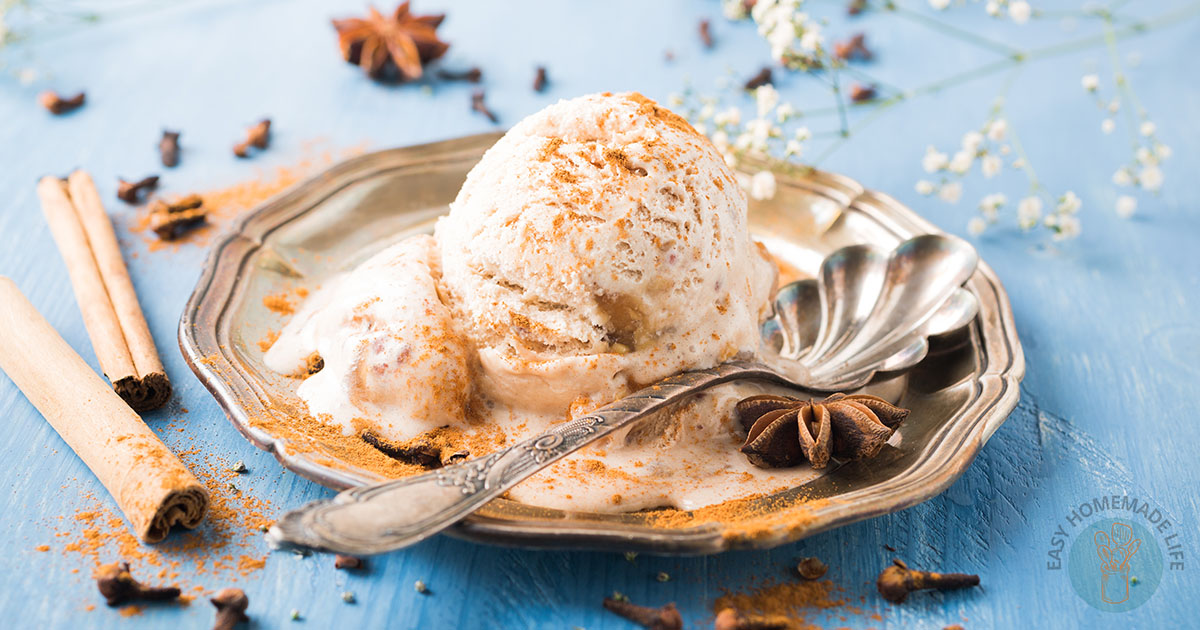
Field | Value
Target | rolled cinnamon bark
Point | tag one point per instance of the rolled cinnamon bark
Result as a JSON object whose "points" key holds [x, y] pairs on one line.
{"points": [[111, 313], [149, 482]]}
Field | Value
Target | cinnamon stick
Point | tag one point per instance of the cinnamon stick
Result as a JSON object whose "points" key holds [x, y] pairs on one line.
{"points": [[111, 313], [149, 483]]}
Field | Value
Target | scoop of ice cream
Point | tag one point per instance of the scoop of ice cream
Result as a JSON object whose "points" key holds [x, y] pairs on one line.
{"points": [[393, 361], [602, 243]]}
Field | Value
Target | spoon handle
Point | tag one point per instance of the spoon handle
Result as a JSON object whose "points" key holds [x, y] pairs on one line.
{"points": [[391, 515]]}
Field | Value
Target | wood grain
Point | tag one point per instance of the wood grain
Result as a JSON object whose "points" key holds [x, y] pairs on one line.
{"points": [[1108, 322]]}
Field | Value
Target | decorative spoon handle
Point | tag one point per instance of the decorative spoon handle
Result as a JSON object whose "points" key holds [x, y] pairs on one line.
{"points": [[388, 516]]}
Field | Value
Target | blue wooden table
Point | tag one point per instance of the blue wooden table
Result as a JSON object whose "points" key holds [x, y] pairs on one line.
{"points": [[1108, 321]]}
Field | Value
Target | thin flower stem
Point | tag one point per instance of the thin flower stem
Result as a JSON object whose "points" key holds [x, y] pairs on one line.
{"points": [[863, 76], [956, 32], [1122, 81], [841, 102]]}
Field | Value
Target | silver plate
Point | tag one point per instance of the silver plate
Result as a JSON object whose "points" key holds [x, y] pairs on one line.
{"points": [[959, 395]]}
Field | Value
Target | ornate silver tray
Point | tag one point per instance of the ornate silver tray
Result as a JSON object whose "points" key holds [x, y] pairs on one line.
{"points": [[959, 394]]}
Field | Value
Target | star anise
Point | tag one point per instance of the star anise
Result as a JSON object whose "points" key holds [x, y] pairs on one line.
{"points": [[389, 46], [783, 431]]}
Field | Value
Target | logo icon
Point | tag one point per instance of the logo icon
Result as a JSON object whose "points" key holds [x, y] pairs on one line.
{"points": [[1116, 548], [1115, 564]]}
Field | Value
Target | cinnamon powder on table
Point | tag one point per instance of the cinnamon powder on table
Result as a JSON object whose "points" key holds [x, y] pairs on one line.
{"points": [[227, 203], [227, 547]]}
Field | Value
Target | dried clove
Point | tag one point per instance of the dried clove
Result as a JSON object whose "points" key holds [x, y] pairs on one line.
{"points": [[231, 604], [168, 148], [731, 619], [170, 220], [811, 568], [897, 581], [341, 561], [478, 105], [118, 586], [853, 48], [539, 79], [471, 75], [258, 136], [856, 7], [860, 93], [665, 618], [58, 105], [130, 192], [706, 37], [762, 78]]}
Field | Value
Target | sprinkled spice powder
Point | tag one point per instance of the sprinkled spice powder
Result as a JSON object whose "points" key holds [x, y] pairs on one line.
{"points": [[227, 547], [224, 204], [791, 600]]}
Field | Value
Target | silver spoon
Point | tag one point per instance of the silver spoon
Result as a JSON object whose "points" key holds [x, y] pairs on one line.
{"points": [[866, 311]]}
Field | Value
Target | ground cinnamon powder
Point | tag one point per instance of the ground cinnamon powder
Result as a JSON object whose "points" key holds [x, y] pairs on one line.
{"points": [[791, 599], [224, 204], [225, 548]]}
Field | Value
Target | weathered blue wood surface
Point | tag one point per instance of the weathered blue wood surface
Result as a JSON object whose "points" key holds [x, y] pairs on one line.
{"points": [[1109, 322]]}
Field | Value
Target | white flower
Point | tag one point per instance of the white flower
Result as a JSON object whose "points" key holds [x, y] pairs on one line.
{"points": [[733, 9], [811, 40], [1122, 177], [728, 117], [1162, 151], [990, 165], [1145, 156], [1069, 203], [1107, 125], [720, 141], [766, 97], [1126, 206], [793, 148], [762, 185], [991, 204], [992, 8], [785, 112], [1029, 211], [1147, 128], [701, 128], [707, 111], [1018, 163], [1019, 11], [1090, 82], [976, 226], [1114, 106], [925, 187], [997, 130], [1151, 177], [940, 5], [934, 160], [26, 76], [675, 100], [961, 162], [802, 134], [1064, 226], [951, 192], [971, 141]]}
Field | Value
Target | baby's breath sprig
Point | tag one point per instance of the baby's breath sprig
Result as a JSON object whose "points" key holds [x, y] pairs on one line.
{"points": [[769, 136]]}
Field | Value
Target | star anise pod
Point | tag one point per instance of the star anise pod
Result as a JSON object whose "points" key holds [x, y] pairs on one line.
{"points": [[783, 431], [389, 46]]}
